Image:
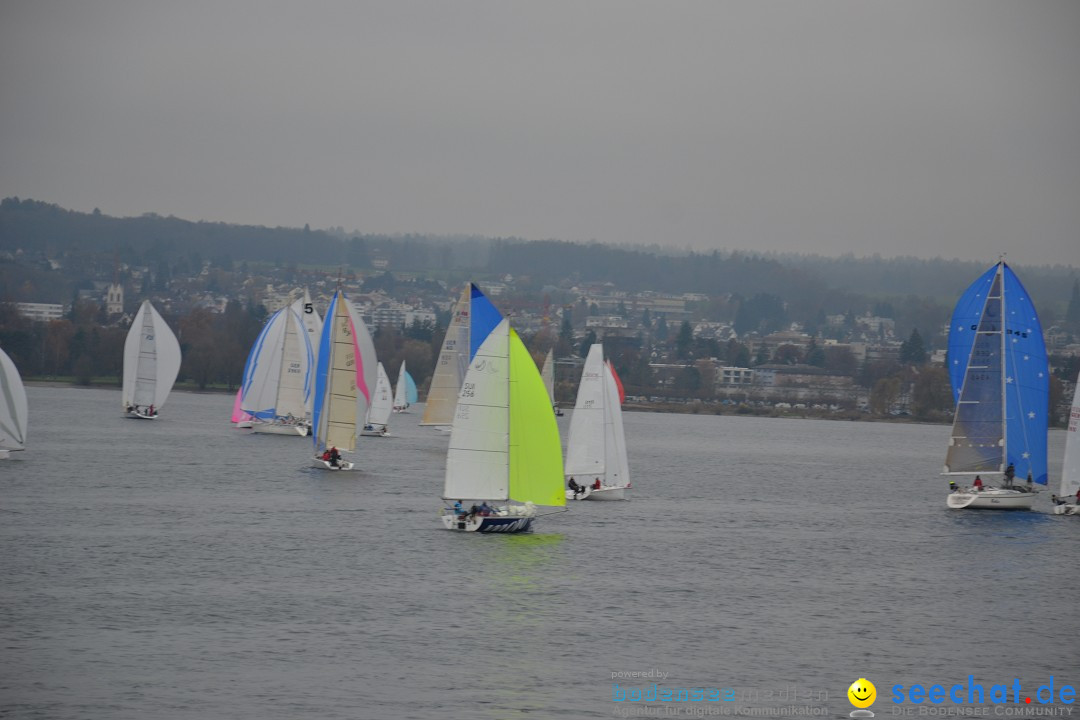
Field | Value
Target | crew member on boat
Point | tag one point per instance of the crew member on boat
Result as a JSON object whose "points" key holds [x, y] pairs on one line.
{"points": [[978, 484]]}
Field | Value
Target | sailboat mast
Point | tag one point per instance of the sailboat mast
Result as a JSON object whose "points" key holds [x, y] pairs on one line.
{"points": [[1004, 397]]}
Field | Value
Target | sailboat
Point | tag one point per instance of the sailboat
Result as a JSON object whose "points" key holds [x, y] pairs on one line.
{"points": [[1000, 378], [344, 381], [405, 392], [596, 448], [548, 374], [473, 318], [277, 378], [1069, 494], [151, 364], [378, 415], [13, 408], [504, 443], [240, 419]]}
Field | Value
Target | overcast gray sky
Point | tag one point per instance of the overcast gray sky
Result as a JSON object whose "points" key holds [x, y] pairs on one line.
{"points": [[920, 127]]}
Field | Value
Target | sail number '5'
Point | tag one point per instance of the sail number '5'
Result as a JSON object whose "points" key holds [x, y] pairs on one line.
{"points": [[468, 390]]}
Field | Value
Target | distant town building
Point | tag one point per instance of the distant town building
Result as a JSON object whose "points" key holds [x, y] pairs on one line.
{"points": [[735, 376], [41, 312], [114, 299]]}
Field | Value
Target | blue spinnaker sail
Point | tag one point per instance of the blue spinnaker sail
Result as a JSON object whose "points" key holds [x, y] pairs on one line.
{"points": [[483, 317], [410, 389], [1008, 375]]}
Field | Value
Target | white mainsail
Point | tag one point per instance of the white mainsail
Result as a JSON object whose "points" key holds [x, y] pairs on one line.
{"points": [[478, 460], [151, 360], [548, 374], [13, 406], [1070, 471], [378, 415], [312, 322], [452, 365]]}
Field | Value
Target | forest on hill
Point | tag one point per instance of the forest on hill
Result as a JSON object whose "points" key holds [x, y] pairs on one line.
{"points": [[93, 243]]}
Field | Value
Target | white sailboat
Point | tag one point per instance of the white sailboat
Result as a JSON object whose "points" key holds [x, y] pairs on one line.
{"points": [[377, 423], [596, 458], [151, 364], [276, 387], [473, 318], [1067, 501], [1000, 377], [344, 381], [504, 444], [405, 391], [548, 374], [13, 408]]}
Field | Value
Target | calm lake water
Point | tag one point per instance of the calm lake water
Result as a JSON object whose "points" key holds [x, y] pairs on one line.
{"points": [[181, 568]]}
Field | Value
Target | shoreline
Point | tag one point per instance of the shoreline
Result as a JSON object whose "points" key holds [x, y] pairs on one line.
{"points": [[666, 408]]}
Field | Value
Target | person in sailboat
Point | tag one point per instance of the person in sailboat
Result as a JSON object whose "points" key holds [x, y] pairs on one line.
{"points": [[459, 509], [574, 487], [335, 456], [1010, 473], [151, 413], [978, 484], [596, 485], [953, 487]]}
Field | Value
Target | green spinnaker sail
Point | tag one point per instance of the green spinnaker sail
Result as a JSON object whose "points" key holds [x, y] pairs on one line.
{"points": [[536, 473]]}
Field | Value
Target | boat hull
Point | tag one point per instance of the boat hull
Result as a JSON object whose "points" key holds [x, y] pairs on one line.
{"points": [[280, 429], [136, 415], [375, 432], [995, 499], [1067, 509], [320, 464], [488, 524], [604, 492], [244, 425]]}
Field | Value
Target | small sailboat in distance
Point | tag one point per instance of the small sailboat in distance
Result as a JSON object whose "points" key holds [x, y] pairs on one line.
{"points": [[405, 392], [1001, 383], [504, 443], [1067, 501], [151, 364], [378, 415], [344, 381], [13, 408], [596, 459], [548, 373]]}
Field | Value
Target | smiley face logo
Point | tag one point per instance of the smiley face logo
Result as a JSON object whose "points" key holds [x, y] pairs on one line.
{"points": [[862, 693]]}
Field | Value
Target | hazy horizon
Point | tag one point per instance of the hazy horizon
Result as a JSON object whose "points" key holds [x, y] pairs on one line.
{"points": [[911, 129]]}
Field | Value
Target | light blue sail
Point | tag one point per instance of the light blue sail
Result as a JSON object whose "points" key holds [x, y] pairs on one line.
{"points": [[410, 389], [1014, 364]]}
